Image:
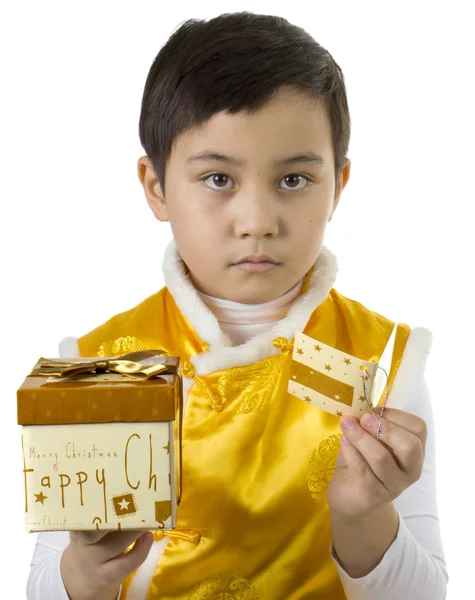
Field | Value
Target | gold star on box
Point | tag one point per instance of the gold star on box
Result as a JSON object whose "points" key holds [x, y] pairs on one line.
{"points": [[332, 379], [40, 497], [124, 505]]}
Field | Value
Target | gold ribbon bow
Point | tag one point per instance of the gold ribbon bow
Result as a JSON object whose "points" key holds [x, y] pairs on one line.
{"points": [[125, 365]]}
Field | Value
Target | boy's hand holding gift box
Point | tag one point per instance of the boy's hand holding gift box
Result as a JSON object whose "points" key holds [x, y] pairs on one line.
{"points": [[102, 442]]}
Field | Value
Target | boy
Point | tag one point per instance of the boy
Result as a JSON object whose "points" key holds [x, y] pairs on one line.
{"points": [[246, 128]]}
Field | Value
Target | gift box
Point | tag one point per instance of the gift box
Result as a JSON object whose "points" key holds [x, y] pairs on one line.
{"points": [[102, 442]]}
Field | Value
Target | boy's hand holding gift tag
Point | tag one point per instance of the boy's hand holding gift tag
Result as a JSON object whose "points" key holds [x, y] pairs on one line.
{"points": [[102, 442], [370, 471]]}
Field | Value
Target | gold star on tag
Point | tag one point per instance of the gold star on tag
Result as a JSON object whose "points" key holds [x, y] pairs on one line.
{"points": [[328, 368], [363, 399], [307, 399], [40, 497], [339, 414], [167, 448], [317, 348], [299, 351], [347, 361]]}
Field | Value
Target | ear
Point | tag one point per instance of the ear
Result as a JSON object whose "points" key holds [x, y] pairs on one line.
{"points": [[343, 180], [152, 188]]}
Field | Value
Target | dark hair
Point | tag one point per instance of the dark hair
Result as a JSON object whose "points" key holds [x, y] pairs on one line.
{"points": [[234, 62]]}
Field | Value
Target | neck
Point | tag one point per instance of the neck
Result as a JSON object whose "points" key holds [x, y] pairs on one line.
{"points": [[241, 322]]}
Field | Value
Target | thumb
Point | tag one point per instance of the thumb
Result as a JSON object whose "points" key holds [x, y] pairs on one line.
{"points": [[119, 568]]}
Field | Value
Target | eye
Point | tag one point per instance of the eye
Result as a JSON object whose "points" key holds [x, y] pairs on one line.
{"points": [[217, 177], [300, 176]]}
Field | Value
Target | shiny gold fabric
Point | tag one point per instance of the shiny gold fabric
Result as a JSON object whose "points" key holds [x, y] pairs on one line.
{"points": [[256, 460]]}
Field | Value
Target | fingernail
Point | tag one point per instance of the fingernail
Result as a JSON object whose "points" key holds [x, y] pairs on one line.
{"points": [[348, 423], [367, 420]]}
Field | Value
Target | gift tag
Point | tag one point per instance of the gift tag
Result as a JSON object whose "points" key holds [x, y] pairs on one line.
{"points": [[335, 381]]}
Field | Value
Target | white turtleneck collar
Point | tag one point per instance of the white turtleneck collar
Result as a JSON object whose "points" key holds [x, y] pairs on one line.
{"points": [[243, 321], [222, 353]]}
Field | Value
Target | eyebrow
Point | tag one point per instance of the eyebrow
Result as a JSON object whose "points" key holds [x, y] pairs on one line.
{"points": [[209, 155]]}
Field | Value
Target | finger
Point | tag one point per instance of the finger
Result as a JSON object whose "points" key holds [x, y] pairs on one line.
{"points": [[117, 569], [116, 543], [407, 448], [113, 544], [87, 537], [412, 423], [379, 459], [358, 465]]}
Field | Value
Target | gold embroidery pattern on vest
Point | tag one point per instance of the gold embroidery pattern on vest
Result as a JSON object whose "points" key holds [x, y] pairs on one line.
{"points": [[246, 389], [122, 345], [321, 468], [243, 389], [224, 587]]}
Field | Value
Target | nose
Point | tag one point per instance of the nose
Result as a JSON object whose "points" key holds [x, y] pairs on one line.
{"points": [[256, 216]]}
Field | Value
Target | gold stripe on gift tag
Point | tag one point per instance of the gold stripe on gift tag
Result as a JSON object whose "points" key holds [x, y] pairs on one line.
{"points": [[321, 383]]}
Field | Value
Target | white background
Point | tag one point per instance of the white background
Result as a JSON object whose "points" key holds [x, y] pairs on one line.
{"points": [[79, 243]]}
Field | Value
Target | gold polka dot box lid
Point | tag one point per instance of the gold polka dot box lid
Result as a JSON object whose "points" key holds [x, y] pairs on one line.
{"points": [[101, 442]]}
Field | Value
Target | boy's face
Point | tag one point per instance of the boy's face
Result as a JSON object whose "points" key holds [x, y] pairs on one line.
{"points": [[221, 211]]}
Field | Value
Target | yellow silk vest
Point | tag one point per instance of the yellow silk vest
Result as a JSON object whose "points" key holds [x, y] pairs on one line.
{"points": [[256, 460]]}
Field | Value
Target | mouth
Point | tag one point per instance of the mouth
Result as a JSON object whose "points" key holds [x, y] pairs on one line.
{"points": [[257, 258], [257, 263]]}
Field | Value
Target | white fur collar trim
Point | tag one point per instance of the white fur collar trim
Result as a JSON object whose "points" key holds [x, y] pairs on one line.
{"points": [[221, 353], [410, 374]]}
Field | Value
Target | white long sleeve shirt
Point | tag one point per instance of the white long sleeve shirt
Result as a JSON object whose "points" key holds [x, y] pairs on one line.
{"points": [[412, 567]]}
